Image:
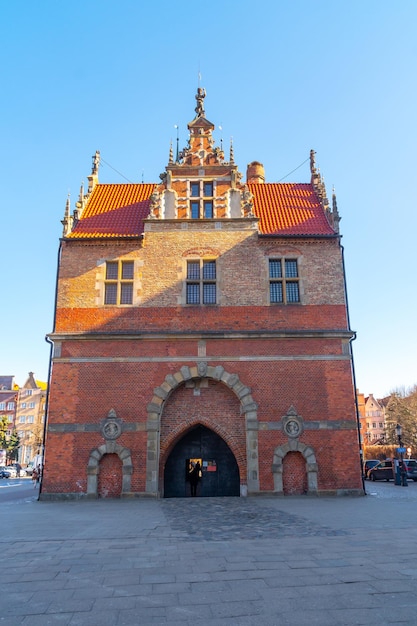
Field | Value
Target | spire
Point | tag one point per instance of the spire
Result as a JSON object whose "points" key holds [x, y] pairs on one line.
{"points": [[177, 155], [335, 213], [171, 154], [232, 154], [81, 194], [67, 221]]}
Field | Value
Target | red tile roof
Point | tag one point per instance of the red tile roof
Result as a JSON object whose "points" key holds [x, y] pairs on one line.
{"points": [[115, 211], [289, 209], [282, 208]]}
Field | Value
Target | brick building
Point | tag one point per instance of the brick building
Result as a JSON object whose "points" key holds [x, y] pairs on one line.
{"points": [[205, 318]]}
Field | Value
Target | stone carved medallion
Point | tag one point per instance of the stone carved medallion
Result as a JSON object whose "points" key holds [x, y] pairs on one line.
{"points": [[292, 423], [111, 426]]}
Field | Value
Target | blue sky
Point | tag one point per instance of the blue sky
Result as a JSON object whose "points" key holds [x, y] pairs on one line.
{"points": [[282, 77]]}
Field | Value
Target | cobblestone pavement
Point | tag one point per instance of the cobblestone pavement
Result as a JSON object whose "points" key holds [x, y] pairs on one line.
{"points": [[212, 561], [214, 519]]}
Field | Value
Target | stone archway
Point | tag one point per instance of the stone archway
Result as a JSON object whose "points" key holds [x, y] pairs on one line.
{"points": [[162, 393], [311, 465], [110, 447]]}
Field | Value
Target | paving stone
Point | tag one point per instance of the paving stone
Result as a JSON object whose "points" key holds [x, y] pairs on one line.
{"points": [[246, 562]]}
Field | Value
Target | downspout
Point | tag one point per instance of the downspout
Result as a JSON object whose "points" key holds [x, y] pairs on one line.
{"points": [[353, 370], [49, 368]]}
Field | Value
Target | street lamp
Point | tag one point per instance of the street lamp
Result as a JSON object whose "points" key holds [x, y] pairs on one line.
{"points": [[409, 452], [401, 450]]}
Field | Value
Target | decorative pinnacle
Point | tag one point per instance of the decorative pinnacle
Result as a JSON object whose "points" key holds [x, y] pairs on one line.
{"points": [[232, 154]]}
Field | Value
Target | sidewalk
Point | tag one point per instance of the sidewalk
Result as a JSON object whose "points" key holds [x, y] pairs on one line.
{"points": [[212, 561]]}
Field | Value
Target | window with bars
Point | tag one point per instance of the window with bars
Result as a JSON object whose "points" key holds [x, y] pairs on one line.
{"points": [[201, 282], [201, 203], [118, 286], [284, 285]]}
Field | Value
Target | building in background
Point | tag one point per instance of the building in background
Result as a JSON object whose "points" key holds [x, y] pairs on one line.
{"points": [[24, 410], [30, 418], [372, 419], [375, 420], [8, 406], [201, 318]]}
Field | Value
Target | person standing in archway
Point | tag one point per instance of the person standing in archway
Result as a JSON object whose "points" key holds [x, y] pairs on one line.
{"points": [[194, 477]]}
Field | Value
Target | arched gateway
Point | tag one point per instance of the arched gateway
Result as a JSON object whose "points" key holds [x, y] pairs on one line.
{"points": [[219, 474], [247, 407]]}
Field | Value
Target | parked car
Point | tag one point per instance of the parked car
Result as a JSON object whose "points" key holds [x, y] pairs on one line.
{"points": [[15, 466], [28, 470], [4, 473], [381, 471], [411, 466], [12, 470], [369, 464]]}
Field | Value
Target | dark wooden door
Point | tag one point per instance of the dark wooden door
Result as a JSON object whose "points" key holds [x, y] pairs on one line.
{"points": [[220, 472]]}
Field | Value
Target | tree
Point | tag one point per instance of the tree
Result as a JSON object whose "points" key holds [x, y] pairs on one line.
{"points": [[402, 409], [3, 431], [12, 446]]}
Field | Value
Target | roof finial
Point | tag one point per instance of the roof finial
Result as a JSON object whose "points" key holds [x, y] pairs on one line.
{"points": [[96, 162], [171, 154], [232, 155], [177, 155], [81, 194], [335, 213], [201, 94], [67, 221]]}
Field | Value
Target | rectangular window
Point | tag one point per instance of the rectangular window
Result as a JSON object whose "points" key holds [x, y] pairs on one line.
{"points": [[193, 293], [208, 209], [201, 285], [31, 405], [201, 203], [208, 189], [284, 285], [118, 287], [22, 419], [23, 405], [10, 406], [30, 419], [2, 406], [195, 210], [10, 418]]}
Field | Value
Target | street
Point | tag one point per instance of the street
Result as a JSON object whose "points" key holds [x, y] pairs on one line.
{"points": [[17, 491]]}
